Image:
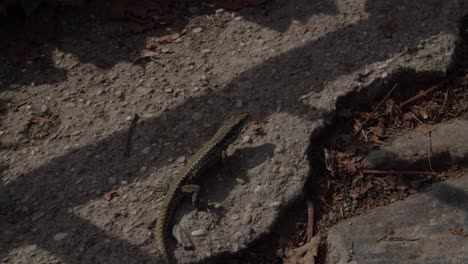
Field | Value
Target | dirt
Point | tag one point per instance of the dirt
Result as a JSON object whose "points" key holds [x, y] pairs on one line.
{"points": [[70, 194]]}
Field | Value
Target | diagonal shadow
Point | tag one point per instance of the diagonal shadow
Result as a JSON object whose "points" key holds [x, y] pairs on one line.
{"points": [[272, 86]]}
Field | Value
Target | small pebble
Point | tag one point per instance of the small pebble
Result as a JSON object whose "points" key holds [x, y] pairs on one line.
{"points": [[274, 204], [112, 180], [247, 231], [246, 219], [246, 139], [76, 133], [197, 30], [239, 103], [70, 105], [146, 150], [199, 232], [44, 109], [235, 217], [181, 159], [99, 92], [182, 238], [119, 94], [124, 182], [168, 90], [240, 181], [219, 11], [197, 116], [60, 236], [129, 118]]}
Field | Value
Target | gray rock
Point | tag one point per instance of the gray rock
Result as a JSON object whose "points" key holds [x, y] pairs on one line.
{"points": [[247, 230], [119, 94], [181, 159], [199, 232], [182, 238], [112, 180], [240, 181], [44, 109], [144, 91], [146, 150], [197, 116], [416, 230], [60, 236], [197, 30], [235, 217], [410, 151]]}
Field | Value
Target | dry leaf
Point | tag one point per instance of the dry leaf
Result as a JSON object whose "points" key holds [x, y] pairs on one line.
{"points": [[304, 254], [108, 196]]}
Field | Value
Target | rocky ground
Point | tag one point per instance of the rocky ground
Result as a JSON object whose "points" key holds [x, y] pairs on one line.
{"points": [[75, 189]]}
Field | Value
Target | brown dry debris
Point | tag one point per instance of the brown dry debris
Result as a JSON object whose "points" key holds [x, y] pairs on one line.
{"points": [[349, 188]]}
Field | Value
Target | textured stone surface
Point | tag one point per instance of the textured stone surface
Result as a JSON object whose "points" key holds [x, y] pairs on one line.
{"points": [[287, 68], [411, 150], [430, 227]]}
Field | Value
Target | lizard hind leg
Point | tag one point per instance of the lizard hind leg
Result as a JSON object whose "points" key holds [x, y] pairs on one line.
{"points": [[195, 191]]}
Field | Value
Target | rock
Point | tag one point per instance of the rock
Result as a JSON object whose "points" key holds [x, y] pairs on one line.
{"points": [[239, 103], [165, 51], [146, 150], [197, 30], [112, 180], [168, 90], [182, 238], [76, 133], [240, 181], [409, 151], [197, 116], [246, 219], [245, 139], [181, 159], [144, 91], [247, 230], [100, 92], [44, 109], [124, 182], [394, 234], [60, 236], [219, 11], [37, 215], [70, 105], [235, 217], [119, 94], [199, 232], [274, 204]]}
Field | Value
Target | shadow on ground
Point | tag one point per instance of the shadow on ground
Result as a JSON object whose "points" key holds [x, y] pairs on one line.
{"points": [[303, 70]]}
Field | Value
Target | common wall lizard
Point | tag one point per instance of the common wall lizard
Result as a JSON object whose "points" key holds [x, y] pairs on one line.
{"points": [[209, 154]]}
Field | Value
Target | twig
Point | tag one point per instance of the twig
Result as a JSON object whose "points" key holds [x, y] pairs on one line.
{"points": [[128, 145], [445, 101], [310, 220], [392, 238], [430, 150], [424, 93], [398, 172], [376, 108]]}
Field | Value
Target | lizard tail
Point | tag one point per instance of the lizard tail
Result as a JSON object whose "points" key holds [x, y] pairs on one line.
{"points": [[160, 240]]}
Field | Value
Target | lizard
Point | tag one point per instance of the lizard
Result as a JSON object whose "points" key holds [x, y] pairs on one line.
{"points": [[209, 154]]}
